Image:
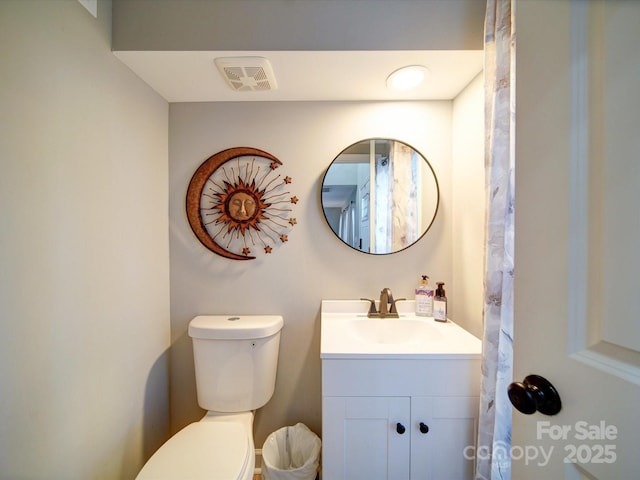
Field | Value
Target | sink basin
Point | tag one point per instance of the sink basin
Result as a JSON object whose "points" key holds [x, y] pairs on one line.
{"points": [[347, 332], [392, 330]]}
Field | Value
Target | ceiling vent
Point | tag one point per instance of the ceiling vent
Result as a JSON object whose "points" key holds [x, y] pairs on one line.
{"points": [[247, 74]]}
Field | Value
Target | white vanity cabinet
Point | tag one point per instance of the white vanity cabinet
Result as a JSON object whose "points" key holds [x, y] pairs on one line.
{"points": [[400, 418], [399, 395]]}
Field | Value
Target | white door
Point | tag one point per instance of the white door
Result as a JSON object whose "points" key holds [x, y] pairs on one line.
{"points": [[365, 221], [577, 258]]}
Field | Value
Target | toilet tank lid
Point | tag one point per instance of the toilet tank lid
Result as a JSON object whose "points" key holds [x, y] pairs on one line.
{"points": [[234, 327]]}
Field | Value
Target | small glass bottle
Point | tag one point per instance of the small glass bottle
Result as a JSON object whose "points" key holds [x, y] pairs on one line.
{"points": [[440, 304], [424, 298]]}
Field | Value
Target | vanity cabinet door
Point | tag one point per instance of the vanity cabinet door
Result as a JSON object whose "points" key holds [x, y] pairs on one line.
{"points": [[439, 446], [366, 437]]}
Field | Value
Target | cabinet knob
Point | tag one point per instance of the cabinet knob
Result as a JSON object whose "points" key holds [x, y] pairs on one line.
{"points": [[400, 428], [534, 393], [424, 428]]}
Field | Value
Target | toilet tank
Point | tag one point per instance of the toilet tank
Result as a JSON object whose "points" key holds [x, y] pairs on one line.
{"points": [[236, 358]]}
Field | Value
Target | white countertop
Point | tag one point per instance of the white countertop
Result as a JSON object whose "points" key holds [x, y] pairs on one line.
{"points": [[347, 332]]}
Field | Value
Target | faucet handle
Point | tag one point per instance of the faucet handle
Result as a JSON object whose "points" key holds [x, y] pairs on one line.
{"points": [[393, 305], [372, 306]]}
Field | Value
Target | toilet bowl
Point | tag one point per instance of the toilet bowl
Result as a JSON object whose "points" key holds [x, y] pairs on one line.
{"points": [[235, 365], [217, 447]]}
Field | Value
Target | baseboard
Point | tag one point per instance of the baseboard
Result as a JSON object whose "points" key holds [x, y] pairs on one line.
{"points": [[258, 468]]}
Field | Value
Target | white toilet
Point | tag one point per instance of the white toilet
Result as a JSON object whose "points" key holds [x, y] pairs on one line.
{"points": [[236, 358]]}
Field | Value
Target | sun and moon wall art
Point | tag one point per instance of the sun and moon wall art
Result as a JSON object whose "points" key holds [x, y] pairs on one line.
{"points": [[239, 205]]}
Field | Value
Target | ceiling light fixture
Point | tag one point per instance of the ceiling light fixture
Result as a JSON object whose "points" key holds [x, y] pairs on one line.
{"points": [[407, 77]]}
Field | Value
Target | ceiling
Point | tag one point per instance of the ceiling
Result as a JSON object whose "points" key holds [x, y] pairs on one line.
{"points": [[191, 76]]}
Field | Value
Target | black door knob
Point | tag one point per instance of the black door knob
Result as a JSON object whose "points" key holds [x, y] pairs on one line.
{"points": [[400, 428], [424, 428], [534, 393]]}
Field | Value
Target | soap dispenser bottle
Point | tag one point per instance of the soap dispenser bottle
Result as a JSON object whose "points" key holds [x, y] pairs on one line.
{"points": [[424, 298], [440, 304]]}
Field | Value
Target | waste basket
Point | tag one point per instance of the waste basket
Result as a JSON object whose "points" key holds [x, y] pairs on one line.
{"points": [[291, 453]]}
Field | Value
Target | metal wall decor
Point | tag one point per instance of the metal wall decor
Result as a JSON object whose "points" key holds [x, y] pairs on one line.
{"points": [[238, 204]]}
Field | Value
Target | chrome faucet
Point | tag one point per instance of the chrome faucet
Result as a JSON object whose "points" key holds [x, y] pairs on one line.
{"points": [[386, 299]]}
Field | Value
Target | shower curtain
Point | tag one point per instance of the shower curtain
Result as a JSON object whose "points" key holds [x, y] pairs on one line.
{"points": [[396, 204], [494, 430]]}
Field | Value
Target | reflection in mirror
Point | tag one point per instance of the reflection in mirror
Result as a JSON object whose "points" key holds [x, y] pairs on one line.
{"points": [[380, 196]]}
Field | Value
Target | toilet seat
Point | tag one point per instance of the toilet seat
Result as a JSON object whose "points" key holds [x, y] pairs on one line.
{"points": [[201, 450]]}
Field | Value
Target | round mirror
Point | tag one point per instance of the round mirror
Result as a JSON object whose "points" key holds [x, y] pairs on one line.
{"points": [[380, 196]]}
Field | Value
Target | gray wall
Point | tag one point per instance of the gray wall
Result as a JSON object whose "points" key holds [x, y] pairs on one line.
{"points": [[298, 25], [84, 282], [468, 219], [314, 264]]}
